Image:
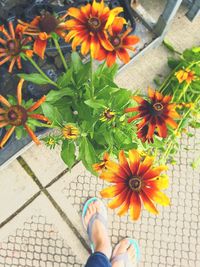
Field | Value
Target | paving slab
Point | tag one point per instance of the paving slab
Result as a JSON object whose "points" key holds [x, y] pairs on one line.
{"points": [[16, 187], [170, 239], [38, 237], [45, 163]]}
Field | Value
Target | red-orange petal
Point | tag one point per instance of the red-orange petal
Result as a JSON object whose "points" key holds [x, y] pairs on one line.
{"points": [[125, 205], [124, 163], [38, 117], [111, 177], [31, 134], [4, 101], [157, 196], [111, 58], [113, 191], [39, 47], [7, 136], [19, 91], [155, 172], [135, 206], [148, 204], [123, 55], [37, 104], [118, 200], [134, 161]]}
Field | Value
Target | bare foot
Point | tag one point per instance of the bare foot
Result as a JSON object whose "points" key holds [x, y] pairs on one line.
{"points": [[100, 236], [124, 246]]}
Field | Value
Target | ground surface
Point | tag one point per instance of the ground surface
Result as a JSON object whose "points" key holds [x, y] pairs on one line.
{"points": [[40, 221]]}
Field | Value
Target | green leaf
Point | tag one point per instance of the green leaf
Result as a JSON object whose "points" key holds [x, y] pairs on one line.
{"points": [[65, 79], [87, 153], [173, 63], [121, 98], [68, 153], [168, 45], [96, 104], [34, 78], [52, 113], [76, 61], [54, 96]]}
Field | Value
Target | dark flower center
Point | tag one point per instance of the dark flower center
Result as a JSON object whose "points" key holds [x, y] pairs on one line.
{"points": [[13, 47], [109, 114], [94, 23], [48, 23], [135, 184], [115, 41], [158, 106], [17, 115]]}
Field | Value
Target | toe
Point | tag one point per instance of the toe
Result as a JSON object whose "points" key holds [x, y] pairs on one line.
{"points": [[131, 250]]}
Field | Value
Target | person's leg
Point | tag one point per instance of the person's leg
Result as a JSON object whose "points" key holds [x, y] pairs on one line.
{"points": [[100, 239], [124, 247], [98, 259]]}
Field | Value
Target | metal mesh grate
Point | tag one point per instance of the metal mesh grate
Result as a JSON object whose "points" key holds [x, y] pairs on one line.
{"points": [[172, 238], [36, 244]]}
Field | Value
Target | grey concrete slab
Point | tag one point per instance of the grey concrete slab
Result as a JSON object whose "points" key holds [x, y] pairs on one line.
{"points": [[45, 163], [170, 239], [16, 187], [38, 237]]}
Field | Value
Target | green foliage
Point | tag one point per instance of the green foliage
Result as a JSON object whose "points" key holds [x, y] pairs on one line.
{"points": [[68, 153], [34, 78]]}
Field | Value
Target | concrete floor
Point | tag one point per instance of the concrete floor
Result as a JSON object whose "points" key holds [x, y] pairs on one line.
{"points": [[40, 211]]}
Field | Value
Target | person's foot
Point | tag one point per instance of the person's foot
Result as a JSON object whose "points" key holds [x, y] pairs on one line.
{"points": [[100, 236], [124, 247]]}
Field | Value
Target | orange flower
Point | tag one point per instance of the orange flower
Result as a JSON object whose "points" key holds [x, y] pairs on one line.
{"points": [[13, 44], [18, 115], [156, 114], [142, 134], [185, 75], [134, 180], [102, 165], [120, 41], [88, 27], [41, 27]]}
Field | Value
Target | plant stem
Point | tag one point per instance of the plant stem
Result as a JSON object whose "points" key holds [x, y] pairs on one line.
{"points": [[41, 71], [91, 76], [60, 53]]}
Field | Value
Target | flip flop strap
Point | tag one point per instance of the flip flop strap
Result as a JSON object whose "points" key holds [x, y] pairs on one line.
{"points": [[121, 257], [96, 216]]}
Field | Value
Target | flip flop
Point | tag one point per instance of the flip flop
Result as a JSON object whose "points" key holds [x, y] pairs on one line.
{"points": [[124, 256], [101, 216]]}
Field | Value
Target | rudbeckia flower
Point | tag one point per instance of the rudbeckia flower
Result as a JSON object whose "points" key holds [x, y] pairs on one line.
{"points": [[12, 45], [185, 75], [156, 113], [18, 115], [70, 132], [41, 28], [135, 181], [120, 41], [107, 115], [102, 165], [88, 27]]}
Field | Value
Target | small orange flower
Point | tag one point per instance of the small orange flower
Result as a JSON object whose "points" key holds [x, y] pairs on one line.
{"points": [[120, 42], [102, 165], [155, 114], [88, 27], [134, 180], [185, 75], [18, 115], [41, 27], [13, 44]]}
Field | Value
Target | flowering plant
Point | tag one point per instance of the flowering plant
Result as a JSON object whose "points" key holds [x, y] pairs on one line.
{"points": [[95, 119]]}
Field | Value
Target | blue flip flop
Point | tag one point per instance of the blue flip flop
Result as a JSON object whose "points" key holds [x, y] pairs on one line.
{"points": [[101, 216], [124, 256]]}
